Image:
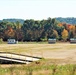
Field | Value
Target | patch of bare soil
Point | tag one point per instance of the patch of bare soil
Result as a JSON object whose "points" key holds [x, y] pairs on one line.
{"points": [[63, 56]]}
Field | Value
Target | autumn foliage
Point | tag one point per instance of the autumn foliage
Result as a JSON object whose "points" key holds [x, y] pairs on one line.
{"points": [[37, 30], [64, 34]]}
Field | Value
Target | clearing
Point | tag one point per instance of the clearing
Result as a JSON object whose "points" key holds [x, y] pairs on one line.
{"points": [[63, 53]]}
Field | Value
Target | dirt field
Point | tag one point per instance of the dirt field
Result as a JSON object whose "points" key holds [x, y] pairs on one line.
{"points": [[61, 52]]}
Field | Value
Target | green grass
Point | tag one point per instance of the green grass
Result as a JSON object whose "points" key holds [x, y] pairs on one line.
{"points": [[42, 67], [27, 42]]}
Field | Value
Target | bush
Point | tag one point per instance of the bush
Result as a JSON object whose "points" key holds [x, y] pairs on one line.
{"points": [[1, 40]]}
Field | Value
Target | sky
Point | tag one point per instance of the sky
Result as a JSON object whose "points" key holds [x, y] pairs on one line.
{"points": [[37, 9]]}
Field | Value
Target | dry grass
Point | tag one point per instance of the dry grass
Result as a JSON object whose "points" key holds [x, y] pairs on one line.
{"points": [[62, 59], [36, 47], [65, 51], [44, 67]]}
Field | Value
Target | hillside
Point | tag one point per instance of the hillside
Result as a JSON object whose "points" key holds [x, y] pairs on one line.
{"points": [[69, 20], [13, 20]]}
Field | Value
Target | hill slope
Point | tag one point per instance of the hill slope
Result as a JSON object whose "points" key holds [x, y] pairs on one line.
{"points": [[69, 20]]}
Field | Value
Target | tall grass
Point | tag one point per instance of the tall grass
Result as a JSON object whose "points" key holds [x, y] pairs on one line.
{"points": [[42, 67], [11, 69]]}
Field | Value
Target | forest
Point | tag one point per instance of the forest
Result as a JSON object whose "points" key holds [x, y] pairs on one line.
{"points": [[37, 30]]}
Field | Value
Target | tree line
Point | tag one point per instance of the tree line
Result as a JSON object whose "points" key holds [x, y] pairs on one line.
{"points": [[37, 30], [70, 20]]}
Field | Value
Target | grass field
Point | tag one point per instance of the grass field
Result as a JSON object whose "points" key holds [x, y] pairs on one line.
{"points": [[42, 67], [65, 51], [59, 59]]}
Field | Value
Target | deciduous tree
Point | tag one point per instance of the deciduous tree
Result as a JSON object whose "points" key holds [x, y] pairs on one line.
{"points": [[64, 35]]}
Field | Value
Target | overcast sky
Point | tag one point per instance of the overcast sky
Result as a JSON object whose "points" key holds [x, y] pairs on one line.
{"points": [[37, 9]]}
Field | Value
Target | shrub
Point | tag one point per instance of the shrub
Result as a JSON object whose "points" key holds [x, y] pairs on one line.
{"points": [[1, 40]]}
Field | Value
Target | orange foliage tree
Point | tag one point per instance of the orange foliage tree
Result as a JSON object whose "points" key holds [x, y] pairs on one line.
{"points": [[64, 35], [9, 32], [60, 24]]}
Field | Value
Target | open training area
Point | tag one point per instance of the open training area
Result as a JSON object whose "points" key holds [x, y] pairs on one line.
{"points": [[65, 53]]}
